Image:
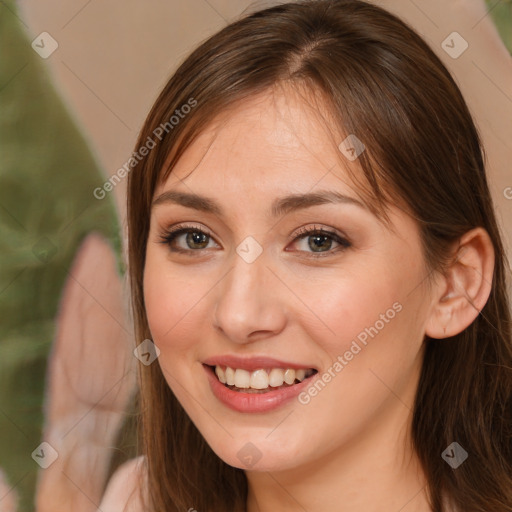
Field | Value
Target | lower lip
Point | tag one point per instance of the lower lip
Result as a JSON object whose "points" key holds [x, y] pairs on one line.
{"points": [[253, 402]]}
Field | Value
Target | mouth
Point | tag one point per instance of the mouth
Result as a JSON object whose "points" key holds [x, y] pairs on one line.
{"points": [[261, 380]]}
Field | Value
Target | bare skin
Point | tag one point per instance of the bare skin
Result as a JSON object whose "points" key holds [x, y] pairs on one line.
{"points": [[347, 449]]}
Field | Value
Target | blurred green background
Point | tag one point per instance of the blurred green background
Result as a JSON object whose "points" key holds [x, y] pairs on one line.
{"points": [[501, 13], [47, 173]]}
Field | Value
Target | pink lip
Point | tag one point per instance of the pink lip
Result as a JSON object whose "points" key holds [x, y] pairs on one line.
{"points": [[254, 402], [253, 363]]}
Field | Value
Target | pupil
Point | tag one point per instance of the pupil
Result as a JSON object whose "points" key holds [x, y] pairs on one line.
{"points": [[195, 238], [317, 239]]}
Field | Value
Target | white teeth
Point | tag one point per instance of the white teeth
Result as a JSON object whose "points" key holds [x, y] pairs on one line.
{"points": [[242, 378], [230, 376], [261, 378], [276, 377], [220, 374], [289, 376], [300, 374]]}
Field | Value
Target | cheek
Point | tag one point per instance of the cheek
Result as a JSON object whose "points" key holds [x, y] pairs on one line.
{"points": [[173, 304], [377, 324], [373, 343], [351, 307]]}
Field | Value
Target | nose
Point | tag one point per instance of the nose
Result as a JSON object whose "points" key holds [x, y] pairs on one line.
{"points": [[249, 306]]}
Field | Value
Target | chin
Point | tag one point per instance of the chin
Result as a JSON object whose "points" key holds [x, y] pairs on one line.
{"points": [[258, 452]]}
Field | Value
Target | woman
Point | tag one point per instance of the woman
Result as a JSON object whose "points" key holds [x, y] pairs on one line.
{"points": [[313, 250]]}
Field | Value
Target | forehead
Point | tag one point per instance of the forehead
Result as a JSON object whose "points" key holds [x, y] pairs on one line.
{"points": [[281, 139]]}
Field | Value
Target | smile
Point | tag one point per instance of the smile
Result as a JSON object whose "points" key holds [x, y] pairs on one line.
{"points": [[261, 380], [257, 391]]}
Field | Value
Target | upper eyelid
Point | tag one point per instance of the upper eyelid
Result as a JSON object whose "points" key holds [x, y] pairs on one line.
{"points": [[303, 230], [308, 230], [186, 227]]}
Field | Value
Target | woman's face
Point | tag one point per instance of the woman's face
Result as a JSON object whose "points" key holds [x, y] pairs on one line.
{"points": [[351, 304]]}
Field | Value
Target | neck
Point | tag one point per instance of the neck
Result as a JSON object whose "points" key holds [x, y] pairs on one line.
{"points": [[369, 474]]}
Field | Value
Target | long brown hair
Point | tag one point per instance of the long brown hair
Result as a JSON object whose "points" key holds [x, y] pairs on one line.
{"points": [[382, 82]]}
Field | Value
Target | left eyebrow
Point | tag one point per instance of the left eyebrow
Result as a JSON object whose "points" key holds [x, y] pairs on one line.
{"points": [[280, 206]]}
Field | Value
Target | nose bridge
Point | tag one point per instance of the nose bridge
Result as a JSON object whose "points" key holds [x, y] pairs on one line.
{"points": [[246, 303]]}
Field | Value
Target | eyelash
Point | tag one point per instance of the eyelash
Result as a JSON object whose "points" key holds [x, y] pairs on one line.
{"points": [[170, 235]]}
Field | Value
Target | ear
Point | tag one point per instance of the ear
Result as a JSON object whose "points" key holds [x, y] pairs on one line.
{"points": [[464, 290]]}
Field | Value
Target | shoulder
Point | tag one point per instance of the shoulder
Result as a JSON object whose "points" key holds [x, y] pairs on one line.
{"points": [[123, 492]]}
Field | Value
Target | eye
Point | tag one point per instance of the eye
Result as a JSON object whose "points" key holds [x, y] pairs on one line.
{"points": [[320, 240], [195, 239]]}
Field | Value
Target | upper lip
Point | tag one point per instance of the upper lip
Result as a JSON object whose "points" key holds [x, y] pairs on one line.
{"points": [[253, 363]]}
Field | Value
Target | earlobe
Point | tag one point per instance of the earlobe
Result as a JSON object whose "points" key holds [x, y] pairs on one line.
{"points": [[465, 288]]}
